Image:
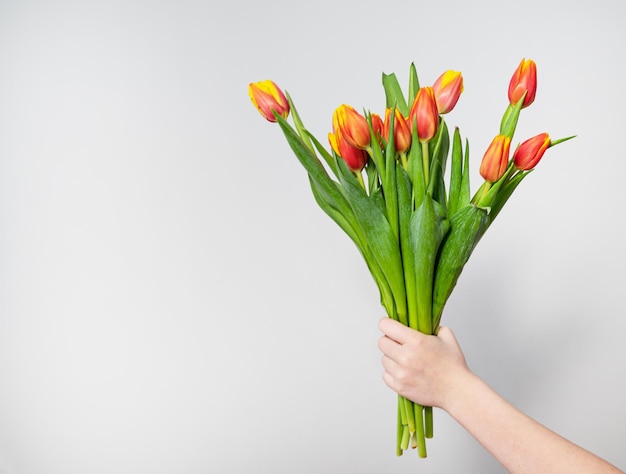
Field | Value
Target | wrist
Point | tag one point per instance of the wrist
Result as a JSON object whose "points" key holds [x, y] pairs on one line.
{"points": [[460, 391]]}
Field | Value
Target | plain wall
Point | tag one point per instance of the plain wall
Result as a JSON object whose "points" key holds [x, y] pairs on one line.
{"points": [[172, 300]]}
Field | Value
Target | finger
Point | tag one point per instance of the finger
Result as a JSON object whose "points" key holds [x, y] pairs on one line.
{"points": [[389, 347], [394, 329], [389, 364], [390, 381]]}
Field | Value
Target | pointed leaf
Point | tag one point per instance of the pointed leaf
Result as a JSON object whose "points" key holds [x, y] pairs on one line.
{"points": [[414, 84], [456, 173], [393, 94], [353, 231], [429, 226], [377, 231], [467, 226]]}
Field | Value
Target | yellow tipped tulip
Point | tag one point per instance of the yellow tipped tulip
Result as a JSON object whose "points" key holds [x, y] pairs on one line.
{"points": [[267, 97], [353, 126], [496, 159], [448, 88]]}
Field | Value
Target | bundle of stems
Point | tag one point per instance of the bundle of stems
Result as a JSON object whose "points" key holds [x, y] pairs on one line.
{"points": [[384, 184]]}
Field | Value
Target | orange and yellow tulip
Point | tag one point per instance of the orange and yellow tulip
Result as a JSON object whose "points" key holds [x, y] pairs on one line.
{"points": [[495, 159], [353, 126]]}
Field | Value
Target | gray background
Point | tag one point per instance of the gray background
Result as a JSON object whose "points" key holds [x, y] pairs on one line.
{"points": [[172, 300]]}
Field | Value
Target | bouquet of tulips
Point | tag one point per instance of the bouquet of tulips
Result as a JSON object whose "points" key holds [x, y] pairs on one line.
{"points": [[383, 181]]}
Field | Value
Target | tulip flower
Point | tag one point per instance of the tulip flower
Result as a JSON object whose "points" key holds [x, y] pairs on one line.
{"points": [[528, 154], [447, 89], [496, 159], [267, 97], [401, 130], [355, 158], [424, 112], [377, 125], [353, 126], [524, 80]]}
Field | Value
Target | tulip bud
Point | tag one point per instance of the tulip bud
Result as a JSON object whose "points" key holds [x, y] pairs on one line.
{"points": [[528, 154], [496, 159], [355, 158], [401, 130], [524, 80], [267, 97], [377, 125], [353, 126], [424, 112], [447, 89]]}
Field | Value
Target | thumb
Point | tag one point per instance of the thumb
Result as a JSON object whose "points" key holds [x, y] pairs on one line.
{"points": [[447, 335]]}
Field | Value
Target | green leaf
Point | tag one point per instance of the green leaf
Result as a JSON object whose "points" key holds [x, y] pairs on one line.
{"points": [[393, 94], [439, 157], [560, 140], [298, 123], [456, 173], [467, 226], [313, 166], [510, 117], [376, 153], [416, 169], [357, 237], [373, 179], [328, 158], [346, 224], [326, 188], [405, 212], [377, 231], [464, 195], [504, 193], [414, 85], [429, 226], [389, 183]]}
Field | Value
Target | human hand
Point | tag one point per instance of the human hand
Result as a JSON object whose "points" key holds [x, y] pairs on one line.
{"points": [[428, 370]]}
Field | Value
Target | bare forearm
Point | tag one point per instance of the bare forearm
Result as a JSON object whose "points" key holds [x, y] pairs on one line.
{"points": [[518, 442]]}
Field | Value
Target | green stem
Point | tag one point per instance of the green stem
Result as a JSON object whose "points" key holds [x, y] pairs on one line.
{"points": [[404, 444], [359, 177], [425, 164], [482, 191], [410, 417], [428, 422], [399, 430], [419, 431]]}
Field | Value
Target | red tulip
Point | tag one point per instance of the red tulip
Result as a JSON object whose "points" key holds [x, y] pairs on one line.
{"points": [[424, 112], [528, 154], [267, 97], [355, 158], [496, 159], [524, 80]]}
